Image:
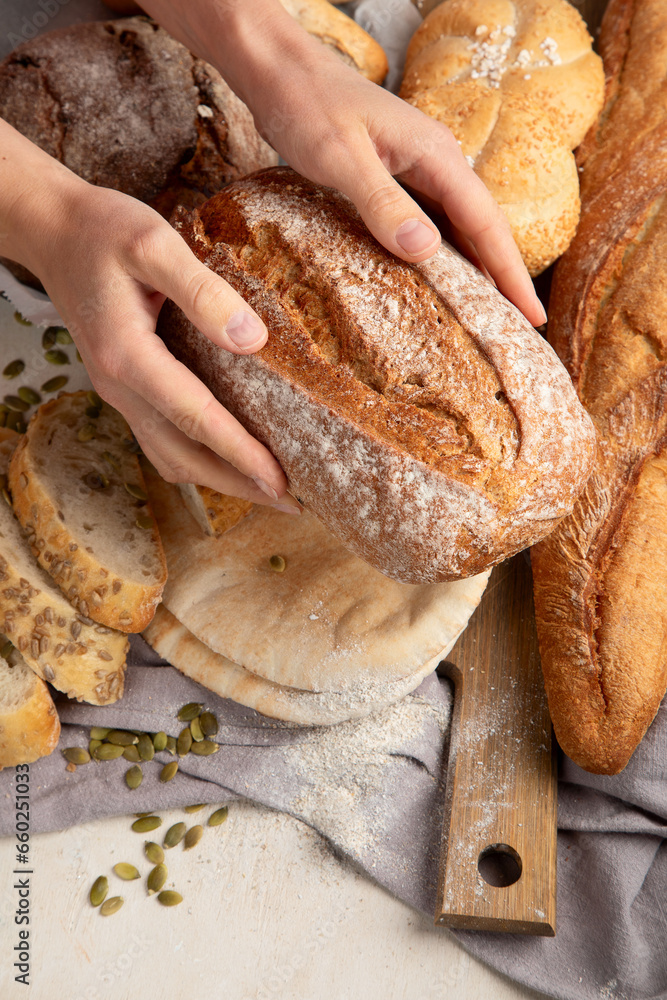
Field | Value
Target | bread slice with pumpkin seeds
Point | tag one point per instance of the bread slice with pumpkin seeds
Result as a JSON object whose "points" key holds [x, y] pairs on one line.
{"points": [[29, 723], [78, 491], [76, 655], [214, 512]]}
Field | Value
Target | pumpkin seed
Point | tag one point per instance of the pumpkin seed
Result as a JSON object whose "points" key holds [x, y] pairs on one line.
{"points": [[194, 809], [205, 748], [145, 747], [144, 521], [98, 890], [7, 498], [86, 433], [184, 742], [108, 751], [218, 817], [63, 336], [192, 837], [189, 711], [136, 491], [195, 729], [121, 737], [29, 395], [134, 777], [93, 745], [92, 412], [139, 815], [99, 732], [208, 723], [7, 646], [174, 835], [53, 384], [153, 852], [15, 422], [277, 563], [146, 824], [19, 319], [49, 337], [56, 357], [170, 898], [131, 753], [76, 755], [125, 871], [156, 878], [159, 741], [111, 905], [94, 399], [13, 369], [169, 771], [171, 740], [17, 404]]}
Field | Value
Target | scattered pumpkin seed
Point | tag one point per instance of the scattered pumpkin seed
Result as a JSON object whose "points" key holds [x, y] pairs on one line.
{"points": [[145, 747], [56, 357], [131, 753], [29, 395], [171, 740], [218, 817], [156, 878], [159, 741], [146, 824], [169, 771], [208, 723], [194, 809], [99, 890], [93, 745], [196, 730], [13, 369], [108, 751], [144, 521], [15, 422], [169, 898], [94, 399], [7, 647], [125, 871], [189, 711], [153, 852], [136, 491], [53, 384], [111, 905], [49, 337], [174, 835], [92, 412], [122, 737], [76, 755], [192, 837], [63, 336], [205, 748], [86, 433], [134, 777], [184, 742], [17, 404], [277, 563], [19, 319], [99, 732], [139, 815]]}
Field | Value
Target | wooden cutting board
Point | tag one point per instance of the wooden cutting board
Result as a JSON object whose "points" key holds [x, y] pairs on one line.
{"points": [[498, 856]]}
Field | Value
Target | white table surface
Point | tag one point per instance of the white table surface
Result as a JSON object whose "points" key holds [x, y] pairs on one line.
{"points": [[268, 913]]}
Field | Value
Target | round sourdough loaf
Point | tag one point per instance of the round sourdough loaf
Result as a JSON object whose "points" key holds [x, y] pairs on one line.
{"points": [[414, 410]]}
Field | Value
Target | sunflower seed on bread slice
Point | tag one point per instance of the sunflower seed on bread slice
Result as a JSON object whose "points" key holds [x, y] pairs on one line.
{"points": [[76, 655], [78, 491], [29, 724], [214, 512]]}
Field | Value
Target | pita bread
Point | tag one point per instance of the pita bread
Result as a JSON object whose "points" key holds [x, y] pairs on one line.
{"points": [[328, 623], [173, 642]]}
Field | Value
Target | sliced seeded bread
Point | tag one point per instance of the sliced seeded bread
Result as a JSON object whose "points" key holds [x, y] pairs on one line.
{"points": [[29, 724], [214, 512], [78, 491], [75, 654]]}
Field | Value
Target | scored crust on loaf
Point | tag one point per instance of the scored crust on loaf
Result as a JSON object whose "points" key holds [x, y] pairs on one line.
{"points": [[79, 657], [68, 480], [414, 410], [214, 512], [342, 35], [29, 724]]}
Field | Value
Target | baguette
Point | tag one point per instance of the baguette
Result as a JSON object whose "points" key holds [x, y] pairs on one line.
{"points": [[68, 479], [29, 724], [84, 660], [413, 409]]}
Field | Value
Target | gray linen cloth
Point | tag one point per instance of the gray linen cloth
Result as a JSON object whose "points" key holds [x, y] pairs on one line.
{"points": [[374, 787]]}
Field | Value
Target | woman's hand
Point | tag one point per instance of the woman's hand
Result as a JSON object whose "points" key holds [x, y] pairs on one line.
{"points": [[108, 262]]}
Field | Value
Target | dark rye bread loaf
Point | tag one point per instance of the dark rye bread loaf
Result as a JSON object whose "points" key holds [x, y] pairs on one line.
{"points": [[601, 577], [125, 106], [413, 409]]}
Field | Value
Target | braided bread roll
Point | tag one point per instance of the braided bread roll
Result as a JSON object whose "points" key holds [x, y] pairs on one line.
{"points": [[519, 85]]}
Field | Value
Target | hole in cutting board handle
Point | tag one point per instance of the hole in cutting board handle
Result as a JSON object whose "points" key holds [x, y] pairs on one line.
{"points": [[499, 865]]}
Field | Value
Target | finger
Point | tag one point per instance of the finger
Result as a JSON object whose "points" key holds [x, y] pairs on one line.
{"points": [[162, 260], [179, 459]]}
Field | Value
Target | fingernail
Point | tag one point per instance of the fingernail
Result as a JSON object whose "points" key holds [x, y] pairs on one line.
{"points": [[286, 509], [543, 312], [265, 488], [414, 237], [244, 329]]}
